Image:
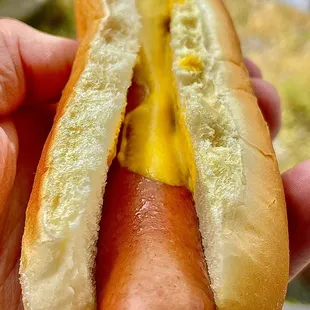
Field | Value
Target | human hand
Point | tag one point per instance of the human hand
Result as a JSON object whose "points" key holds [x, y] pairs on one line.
{"points": [[34, 68]]}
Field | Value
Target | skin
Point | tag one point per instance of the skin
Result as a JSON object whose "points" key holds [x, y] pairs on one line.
{"points": [[34, 68]]}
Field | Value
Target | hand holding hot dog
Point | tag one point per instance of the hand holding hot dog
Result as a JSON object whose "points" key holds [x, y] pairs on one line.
{"points": [[295, 194]]}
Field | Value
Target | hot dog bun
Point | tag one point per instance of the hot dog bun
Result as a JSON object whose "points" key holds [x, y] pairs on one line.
{"points": [[236, 182]]}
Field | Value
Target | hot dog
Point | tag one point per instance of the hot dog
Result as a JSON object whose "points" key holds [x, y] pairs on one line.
{"points": [[151, 248], [193, 206]]}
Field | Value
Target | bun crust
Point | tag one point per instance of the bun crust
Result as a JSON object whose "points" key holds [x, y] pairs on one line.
{"points": [[239, 196], [238, 193], [87, 11]]}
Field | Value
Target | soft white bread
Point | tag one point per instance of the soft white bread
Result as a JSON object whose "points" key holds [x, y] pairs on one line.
{"points": [[59, 243], [238, 192]]}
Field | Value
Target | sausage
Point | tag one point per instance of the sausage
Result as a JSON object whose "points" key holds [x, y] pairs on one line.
{"points": [[149, 250]]}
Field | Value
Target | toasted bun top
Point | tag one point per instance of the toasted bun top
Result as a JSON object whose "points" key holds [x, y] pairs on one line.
{"points": [[238, 191]]}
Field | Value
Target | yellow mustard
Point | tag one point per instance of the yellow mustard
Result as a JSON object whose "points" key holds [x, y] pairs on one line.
{"points": [[154, 142]]}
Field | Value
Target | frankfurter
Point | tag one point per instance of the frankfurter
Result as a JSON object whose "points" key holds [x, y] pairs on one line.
{"points": [[193, 210]]}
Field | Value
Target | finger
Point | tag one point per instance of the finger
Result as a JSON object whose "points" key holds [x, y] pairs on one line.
{"points": [[268, 98], [8, 157], [33, 124], [253, 69], [297, 191], [34, 67], [269, 103]]}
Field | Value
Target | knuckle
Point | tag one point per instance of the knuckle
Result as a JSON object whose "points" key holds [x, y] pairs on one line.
{"points": [[10, 72]]}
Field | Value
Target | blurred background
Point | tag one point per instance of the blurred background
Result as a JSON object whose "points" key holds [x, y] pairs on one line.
{"points": [[274, 33]]}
